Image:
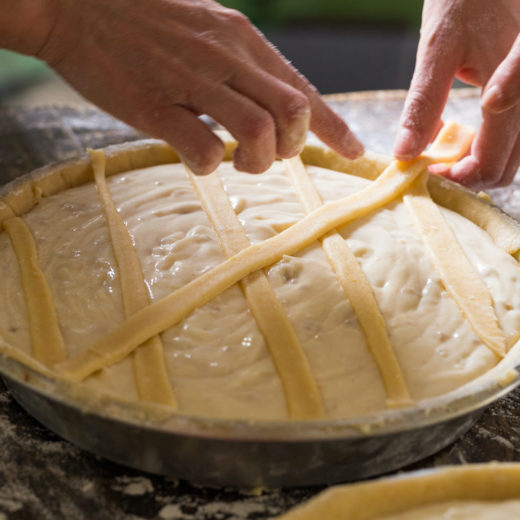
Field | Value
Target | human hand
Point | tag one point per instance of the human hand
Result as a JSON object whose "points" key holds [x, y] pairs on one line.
{"points": [[159, 64], [477, 42]]}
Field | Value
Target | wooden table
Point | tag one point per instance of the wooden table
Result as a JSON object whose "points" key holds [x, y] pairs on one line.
{"points": [[45, 477]]}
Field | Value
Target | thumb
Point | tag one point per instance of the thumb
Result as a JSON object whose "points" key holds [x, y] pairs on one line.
{"points": [[432, 79], [502, 91]]}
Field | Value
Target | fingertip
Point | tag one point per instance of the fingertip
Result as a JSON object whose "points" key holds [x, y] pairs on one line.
{"points": [[291, 138], [466, 172], [441, 169], [245, 162], [408, 144], [493, 100], [205, 160], [332, 130], [354, 148]]}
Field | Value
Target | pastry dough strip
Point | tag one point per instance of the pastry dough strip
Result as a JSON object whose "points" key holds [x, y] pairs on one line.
{"points": [[46, 339], [301, 391], [151, 376], [168, 311], [357, 289], [456, 272]]}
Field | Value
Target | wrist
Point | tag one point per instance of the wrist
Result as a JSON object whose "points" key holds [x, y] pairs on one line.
{"points": [[25, 25]]}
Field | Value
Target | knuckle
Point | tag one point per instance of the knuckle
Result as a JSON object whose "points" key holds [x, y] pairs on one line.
{"points": [[236, 19], [296, 108], [419, 99], [418, 108], [203, 163]]}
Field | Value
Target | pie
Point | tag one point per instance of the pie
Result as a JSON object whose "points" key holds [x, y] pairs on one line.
{"points": [[472, 492], [330, 289]]}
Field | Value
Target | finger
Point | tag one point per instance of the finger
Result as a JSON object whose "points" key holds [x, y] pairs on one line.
{"points": [[332, 130], [250, 124], [490, 152], [502, 91], [426, 98], [151, 111], [465, 172], [198, 147], [325, 123], [288, 107], [512, 165]]}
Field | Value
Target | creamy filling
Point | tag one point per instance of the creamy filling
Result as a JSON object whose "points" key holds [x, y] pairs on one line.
{"points": [[216, 358]]}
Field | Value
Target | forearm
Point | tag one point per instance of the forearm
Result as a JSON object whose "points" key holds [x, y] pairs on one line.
{"points": [[26, 24]]}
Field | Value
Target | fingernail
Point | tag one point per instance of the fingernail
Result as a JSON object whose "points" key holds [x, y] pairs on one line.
{"points": [[353, 148], [468, 173], [439, 168], [194, 168], [493, 100], [296, 141], [406, 144]]}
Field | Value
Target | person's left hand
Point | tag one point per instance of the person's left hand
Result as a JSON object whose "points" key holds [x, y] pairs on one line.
{"points": [[159, 64], [476, 41]]}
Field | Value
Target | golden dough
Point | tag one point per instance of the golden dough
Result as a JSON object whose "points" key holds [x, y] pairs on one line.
{"points": [[458, 275], [378, 498], [151, 377], [162, 314], [301, 392], [358, 290], [46, 338]]}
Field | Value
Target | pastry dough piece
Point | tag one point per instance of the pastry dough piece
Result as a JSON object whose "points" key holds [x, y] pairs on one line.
{"points": [[301, 391], [452, 142], [162, 314], [46, 339], [463, 510], [358, 291], [456, 272], [378, 499], [152, 379], [502, 228]]}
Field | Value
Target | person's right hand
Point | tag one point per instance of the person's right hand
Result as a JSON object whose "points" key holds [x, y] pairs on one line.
{"points": [[158, 64], [476, 41]]}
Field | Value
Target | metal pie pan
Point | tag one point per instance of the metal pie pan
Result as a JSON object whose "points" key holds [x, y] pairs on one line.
{"points": [[242, 453], [239, 453]]}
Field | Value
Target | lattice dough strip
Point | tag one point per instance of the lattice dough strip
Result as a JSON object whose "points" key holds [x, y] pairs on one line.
{"points": [[150, 372], [358, 290], [457, 274], [164, 313], [301, 391], [46, 339]]}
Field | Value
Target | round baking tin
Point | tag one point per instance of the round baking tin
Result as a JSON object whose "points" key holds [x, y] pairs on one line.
{"points": [[241, 453], [218, 452]]}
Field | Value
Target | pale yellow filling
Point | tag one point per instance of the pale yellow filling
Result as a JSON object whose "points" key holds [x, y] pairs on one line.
{"points": [[302, 394], [217, 359], [337, 327], [358, 291]]}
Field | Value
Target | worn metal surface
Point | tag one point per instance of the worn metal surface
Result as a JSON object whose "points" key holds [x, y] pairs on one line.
{"points": [[42, 476]]}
